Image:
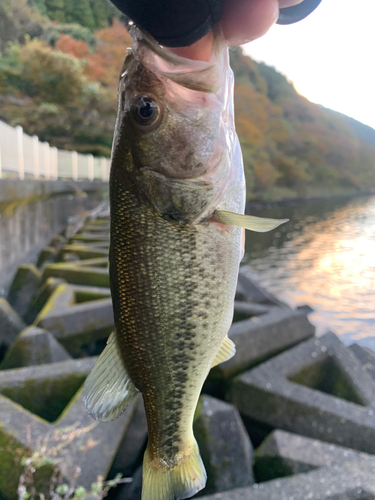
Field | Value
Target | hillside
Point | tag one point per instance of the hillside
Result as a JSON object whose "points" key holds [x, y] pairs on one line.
{"points": [[58, 79], [362, 131], [291, 146]]}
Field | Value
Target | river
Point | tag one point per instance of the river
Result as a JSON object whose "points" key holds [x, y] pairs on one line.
{"points": [[323, 257]]}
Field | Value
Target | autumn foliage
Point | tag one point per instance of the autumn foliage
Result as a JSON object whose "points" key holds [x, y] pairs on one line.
{"points": [[61, 85], [103, 64], [292, 147]]}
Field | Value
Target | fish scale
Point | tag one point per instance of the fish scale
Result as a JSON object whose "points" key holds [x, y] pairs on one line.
{"points": [[184, 309]]}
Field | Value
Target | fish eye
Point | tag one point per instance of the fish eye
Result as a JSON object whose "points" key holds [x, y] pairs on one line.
{"points": [[146, 112]]}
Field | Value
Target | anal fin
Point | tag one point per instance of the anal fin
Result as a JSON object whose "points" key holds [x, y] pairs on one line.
{"points": [[227, 350], [108, 389]]}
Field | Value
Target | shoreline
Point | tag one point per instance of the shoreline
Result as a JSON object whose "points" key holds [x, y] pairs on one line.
{"points": [[255, 205]]}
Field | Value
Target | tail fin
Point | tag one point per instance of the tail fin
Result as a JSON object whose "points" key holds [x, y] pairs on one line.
{"points": [[173, 483]]}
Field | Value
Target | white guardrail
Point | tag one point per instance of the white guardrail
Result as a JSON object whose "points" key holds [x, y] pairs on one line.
{"points": [[23, 156]]}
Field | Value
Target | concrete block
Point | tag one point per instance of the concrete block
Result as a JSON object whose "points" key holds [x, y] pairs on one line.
{"points": [[317, 389], [249, 291], [75, 223], [305, 308], [366, 356], [101, 230], [90, 272], [285, 454], [57, 242], [30, 224], [12, 190], [81, 238], [246, 310], [130, 452], [41, 297], [83, 252], [349, 481], [98, 232], [46, 255], [33, 346], [101, 226], [23, 288], [263, 336], [70, 257], [98, 244], [101, 216], [133, 490], [46, 389], [224, 445], [99, 220], [77, 316], [11, 324]]}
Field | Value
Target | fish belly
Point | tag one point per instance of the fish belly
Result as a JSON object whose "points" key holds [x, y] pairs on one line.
{"points": [[173, 289]]}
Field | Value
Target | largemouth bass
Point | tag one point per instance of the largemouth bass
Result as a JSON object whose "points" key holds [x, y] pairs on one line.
{"points": [[177, 194]]}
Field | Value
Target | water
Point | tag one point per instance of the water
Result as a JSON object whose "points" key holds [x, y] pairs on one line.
{"points": [[324, 257]]}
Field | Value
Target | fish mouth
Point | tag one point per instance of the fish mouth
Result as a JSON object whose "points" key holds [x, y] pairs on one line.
{"points": [[195, 75]]}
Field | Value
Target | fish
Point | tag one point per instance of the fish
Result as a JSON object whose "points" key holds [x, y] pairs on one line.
{"points": [[177, 200]]}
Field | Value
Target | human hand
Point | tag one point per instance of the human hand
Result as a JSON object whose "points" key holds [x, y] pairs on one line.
{"points": [[242, 21]]}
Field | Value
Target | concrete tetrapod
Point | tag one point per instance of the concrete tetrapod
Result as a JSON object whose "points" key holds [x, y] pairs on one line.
{"points": [[46, 389], [23, 288], [366, 356], [224, 445], [41, 297], [77, 316], [89, 272], [317, 389], [96, 237], [285, 454], [33, 346], [250, 291], [46, 255], [128, 460], [83, 252], [262, 336], [11, 324], [348, 481]]}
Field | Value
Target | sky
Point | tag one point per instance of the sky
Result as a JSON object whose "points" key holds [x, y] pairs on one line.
{"points": [[329, 56]]}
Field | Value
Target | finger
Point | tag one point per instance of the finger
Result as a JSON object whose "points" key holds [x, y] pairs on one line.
{"points": [[200, 50], [242, 21], [246, 20], [288, 3]]}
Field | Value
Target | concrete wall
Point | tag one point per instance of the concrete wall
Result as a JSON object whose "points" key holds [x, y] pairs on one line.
{"points": [[32, 212]]}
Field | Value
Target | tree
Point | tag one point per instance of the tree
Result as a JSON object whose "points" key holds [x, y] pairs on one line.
{"points": [[17, 19], [41, 6], [76, 48], [56, 10], [83, 14], [100, 13], [50, 75]]}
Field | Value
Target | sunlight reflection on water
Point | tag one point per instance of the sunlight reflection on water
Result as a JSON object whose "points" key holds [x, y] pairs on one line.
{"points": [[324, 257]]}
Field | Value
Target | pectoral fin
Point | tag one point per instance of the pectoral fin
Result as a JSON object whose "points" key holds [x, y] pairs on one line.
{"points": [[250, 222], [108, 389], [227, 350]]}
